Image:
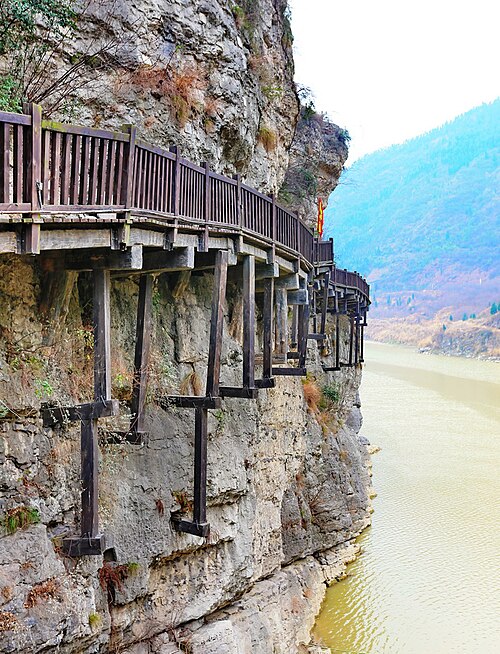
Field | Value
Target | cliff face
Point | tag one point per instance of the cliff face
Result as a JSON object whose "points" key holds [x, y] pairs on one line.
{"points": [[287, 485], [288, 480], [215, 78]]}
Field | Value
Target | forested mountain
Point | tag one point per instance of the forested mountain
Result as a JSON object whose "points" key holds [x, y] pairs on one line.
{"points": [[421, 219]]}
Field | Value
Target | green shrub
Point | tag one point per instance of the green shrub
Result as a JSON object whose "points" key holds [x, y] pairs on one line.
{"points": [[331, 393], [20, 517]]}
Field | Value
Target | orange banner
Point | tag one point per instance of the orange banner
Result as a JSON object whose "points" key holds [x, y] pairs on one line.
{"points": [[321, 218]]}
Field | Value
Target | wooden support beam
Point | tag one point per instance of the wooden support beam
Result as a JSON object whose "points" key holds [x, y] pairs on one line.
{"points": [[266, 271], [314, 309], [141, 358], [53, 415], [324, 306], [102, 336], [294, 327], [189, 402], [281, 321], [169, 260], [75, 546], [89, 479], [241, 392], [303, 318], [298, 297], [356, 340], [288, 282], [248, 321], [130, 259], [30, 238], [208, 260], [316, 337], [290, 372], [351, 338], [217, 324], [200, 466], [337, 341], [265, 382], [362, 344], [188, 527], [267, 335], [71, 239]]}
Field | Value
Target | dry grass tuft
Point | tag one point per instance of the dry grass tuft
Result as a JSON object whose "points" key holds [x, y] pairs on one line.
{"points": [[312, 395], [43, 592], [191, 384], [268, 138], [178, 87], [8, 621]]}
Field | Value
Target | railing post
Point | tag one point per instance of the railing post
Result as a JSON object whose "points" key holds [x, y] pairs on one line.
{"points": [[239, 213], [177, 179], [207, 206], [297, 232], [33, 191], [126, 191], [273, 219]]}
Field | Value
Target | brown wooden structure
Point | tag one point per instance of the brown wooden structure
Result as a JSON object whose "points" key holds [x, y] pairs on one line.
{"points": [[91, 199]]}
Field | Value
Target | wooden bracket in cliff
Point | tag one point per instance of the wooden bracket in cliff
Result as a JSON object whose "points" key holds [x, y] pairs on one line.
{"points": [[198, 526]]}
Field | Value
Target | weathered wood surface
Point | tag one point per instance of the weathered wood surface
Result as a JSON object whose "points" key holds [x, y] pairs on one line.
{"points": [[60, 167], [142, 353], [216, 324], [102, 335]]}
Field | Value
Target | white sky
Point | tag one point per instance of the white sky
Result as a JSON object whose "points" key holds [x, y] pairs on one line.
{"points": [[388, 70]]}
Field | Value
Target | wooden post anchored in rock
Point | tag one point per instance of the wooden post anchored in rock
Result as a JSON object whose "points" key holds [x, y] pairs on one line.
{"points": [[141, 358], [217, 324], [337, 341], [351, 338], [267, 334], [356, 339], [200, 469], [198, 526], [303, 332], [90, 541], [362, 344], [249, 321], [248, 389], [324, 306], [102, 392], [281, 322]]}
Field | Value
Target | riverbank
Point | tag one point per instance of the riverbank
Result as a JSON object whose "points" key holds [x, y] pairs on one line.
{"points": [[472, 338]]}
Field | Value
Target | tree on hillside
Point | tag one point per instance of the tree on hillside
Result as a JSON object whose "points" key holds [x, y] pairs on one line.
{"points": [[494, 308]]}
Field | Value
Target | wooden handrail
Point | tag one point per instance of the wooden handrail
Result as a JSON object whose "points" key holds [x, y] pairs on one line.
{"points": [[47, 166]]}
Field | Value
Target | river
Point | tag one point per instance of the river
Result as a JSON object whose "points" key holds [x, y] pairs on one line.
{"points": [[428, 579]]}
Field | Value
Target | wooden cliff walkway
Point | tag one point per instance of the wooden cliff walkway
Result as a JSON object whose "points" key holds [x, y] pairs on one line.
{"points": [[90, 199]]}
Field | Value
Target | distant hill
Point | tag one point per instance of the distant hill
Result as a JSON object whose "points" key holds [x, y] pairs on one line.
{"points": [[421, 219]]}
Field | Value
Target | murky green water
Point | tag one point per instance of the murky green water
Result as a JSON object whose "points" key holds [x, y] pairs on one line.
{"points": [[428, 581]]}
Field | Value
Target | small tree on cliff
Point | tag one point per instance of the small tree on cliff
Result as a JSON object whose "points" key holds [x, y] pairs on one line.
{"points": [[493, 308]]}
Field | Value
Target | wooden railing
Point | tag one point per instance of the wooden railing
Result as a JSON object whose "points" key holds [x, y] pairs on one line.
{"points": [[54, 167]]}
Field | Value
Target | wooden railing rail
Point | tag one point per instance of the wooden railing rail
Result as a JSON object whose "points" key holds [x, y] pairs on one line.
{"points": [[53, 167]]}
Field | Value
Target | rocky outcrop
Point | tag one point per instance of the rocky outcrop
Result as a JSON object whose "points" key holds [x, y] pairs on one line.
{"points": [[214, 78], [317, 156]]}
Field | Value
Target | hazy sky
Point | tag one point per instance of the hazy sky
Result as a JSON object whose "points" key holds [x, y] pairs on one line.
{"points": [[391, 69]]}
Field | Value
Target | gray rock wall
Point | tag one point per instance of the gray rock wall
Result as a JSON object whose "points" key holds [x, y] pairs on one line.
{"points": [[288, 487], [213, 77]]}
